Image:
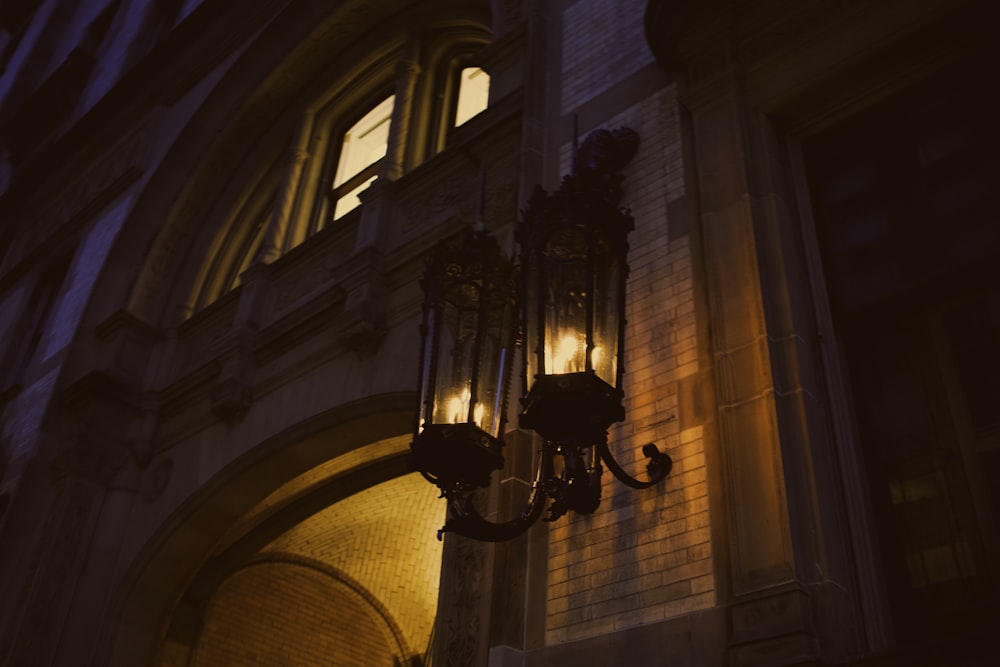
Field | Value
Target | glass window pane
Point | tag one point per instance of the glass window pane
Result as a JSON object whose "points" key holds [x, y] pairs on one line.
{"points": [[365, 143], [473, 94], [351, 200]]}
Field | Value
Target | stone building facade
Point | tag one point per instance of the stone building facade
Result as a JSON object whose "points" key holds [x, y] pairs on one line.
{"points": [[213, 220]]}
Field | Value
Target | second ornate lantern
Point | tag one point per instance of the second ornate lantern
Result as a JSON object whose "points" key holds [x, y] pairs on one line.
{"points": [[574, 246]]}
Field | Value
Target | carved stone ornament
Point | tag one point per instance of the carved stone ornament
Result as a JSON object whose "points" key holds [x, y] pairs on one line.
{"points": [[231, 397], [232, 393], [459, 622]]}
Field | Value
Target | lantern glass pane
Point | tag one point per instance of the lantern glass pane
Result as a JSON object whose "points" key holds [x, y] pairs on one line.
{"points": [[495, 358], [430, 322], [529, 319], [456, 355], [606, 313], [467, 391], [566, 318]]}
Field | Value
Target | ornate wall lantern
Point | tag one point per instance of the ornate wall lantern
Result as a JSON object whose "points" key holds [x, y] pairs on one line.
{"points": [[468, 332], [572, 314]]}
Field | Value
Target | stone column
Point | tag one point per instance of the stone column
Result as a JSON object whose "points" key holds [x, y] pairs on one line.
{"points": [[407, 72], [276, 237], [461, 629], [378, 201], [791, 595]]}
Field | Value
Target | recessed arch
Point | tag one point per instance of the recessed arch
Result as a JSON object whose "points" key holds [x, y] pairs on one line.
{"points": [[171, 559], [322, 613], [262, 104]]}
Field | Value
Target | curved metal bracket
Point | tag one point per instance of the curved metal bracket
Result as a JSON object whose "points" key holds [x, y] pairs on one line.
{"points": [[469, 523], [464, 520], [659, 465]]}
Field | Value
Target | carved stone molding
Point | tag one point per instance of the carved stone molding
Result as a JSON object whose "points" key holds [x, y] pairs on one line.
{"points": [[231, 398], [704, 40], [232, 392], [100, 411], [363, 322], [294, 283], [255, 295], [453, 197], [127, 345]]}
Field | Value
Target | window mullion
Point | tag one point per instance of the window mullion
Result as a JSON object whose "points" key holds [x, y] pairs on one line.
{"points": [[354, 181], [407, 72]]}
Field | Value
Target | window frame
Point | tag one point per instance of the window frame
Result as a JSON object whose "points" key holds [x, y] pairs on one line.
{"points": [[459, 80], [447, 87], [334, 150]]}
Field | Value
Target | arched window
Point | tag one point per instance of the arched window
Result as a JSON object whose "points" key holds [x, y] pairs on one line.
{"points": [[460, 92], [248, 246], [240, 241], [362, 148], [473, 94], [385, 107]]}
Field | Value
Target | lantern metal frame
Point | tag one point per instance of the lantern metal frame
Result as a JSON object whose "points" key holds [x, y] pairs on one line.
{"points": [[571, 411], [460, 454]]}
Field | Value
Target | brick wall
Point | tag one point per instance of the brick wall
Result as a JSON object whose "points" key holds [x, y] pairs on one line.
{"points": [[603, 42], [281, 613], [384, 538], [645, 556]]}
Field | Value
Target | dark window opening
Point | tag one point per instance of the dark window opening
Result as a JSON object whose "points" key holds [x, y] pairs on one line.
{"points": [[909, 229]]}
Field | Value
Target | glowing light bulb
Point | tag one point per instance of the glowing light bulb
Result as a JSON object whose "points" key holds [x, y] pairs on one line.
{"points": [[454, 410], [564, 355], [458, 409]]}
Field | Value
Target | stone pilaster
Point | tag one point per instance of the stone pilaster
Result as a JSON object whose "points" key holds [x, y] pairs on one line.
{"points": [[461, 630]]}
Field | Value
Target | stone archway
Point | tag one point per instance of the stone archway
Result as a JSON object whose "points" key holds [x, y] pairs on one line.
{"points": [[379, 540], [226, 521], [285, 609]]}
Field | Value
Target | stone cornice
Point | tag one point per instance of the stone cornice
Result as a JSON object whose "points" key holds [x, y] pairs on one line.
{"points": [[709, 42]]}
